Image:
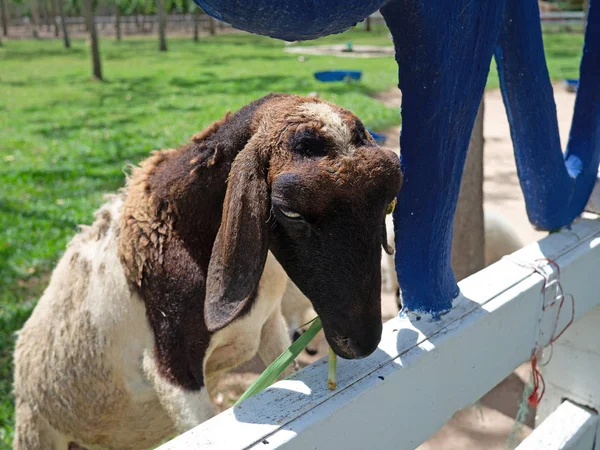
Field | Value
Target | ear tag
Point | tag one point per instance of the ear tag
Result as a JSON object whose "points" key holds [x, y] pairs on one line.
{"points": [[391, 207]]}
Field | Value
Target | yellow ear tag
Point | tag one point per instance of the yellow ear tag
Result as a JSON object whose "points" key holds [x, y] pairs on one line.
{"points": [[391, 207]]}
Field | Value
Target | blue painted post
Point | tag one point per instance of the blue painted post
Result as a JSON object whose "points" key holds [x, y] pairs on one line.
{"points": [[556, 188], [443, 50]]}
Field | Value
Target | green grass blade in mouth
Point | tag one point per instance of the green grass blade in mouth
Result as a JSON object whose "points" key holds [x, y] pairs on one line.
{"points": [[276, 368], [332, 373]]}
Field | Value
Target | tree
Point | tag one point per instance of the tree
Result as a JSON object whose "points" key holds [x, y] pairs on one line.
{"points": [[162, 25], [368, 23], [53, 13], [35, 18], [586, 7], [63, 23], [213, 25], [196, 23], [88, 13], [468, 241], [118, 21], [4, 17], [46, 15]]}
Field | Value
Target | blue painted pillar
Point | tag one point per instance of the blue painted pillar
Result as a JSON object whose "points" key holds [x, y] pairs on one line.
{"points": [[443, 50], [556, 188]]}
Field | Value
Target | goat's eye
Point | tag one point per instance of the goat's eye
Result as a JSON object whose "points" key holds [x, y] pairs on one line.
{"points": [[360, 134], [309, 143], [290, 214]]}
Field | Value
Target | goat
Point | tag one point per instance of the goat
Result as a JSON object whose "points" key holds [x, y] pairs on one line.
{"points": [[181, 275]]}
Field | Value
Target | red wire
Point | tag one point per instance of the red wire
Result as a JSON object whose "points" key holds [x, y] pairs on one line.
{"points": [[539, 385]]}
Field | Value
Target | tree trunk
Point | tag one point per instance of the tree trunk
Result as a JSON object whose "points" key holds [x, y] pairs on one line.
{"points": [[468, 242], [63, 23], [213, 25], [46, 15], [35, 18], [118, 23], [368, 23], [162, 24], [53, 12], [88, 14], [4, 17], [586, 7], [196, 23]]}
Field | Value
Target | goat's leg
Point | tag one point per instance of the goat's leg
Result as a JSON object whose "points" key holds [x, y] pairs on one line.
{"points": [[274, 339], [33, 432], [186, 408]]}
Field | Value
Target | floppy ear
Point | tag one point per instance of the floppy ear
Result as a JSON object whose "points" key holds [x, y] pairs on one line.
{"points": [[240, 249]]}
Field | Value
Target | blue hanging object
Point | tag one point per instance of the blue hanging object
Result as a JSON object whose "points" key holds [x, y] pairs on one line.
{"points": [[338, 75], [291, 20], [556, 186], [443, 51]]}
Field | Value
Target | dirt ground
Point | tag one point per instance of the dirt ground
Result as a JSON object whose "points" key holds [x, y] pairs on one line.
{"points": [[489, 423]]}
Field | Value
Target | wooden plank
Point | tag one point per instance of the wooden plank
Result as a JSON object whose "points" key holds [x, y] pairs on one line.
{"points": [[423, 370], [562, 15], [574, 367], [569, 427]]}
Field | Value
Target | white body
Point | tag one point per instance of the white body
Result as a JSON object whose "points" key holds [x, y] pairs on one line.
{"points": [[87, 360]]}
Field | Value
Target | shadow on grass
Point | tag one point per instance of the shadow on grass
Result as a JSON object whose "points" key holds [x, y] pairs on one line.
{"points": [[41, 52]]}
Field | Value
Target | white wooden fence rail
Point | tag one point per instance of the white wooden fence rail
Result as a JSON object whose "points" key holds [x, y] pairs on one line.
{"points": [[570, 427], [423, 370]]}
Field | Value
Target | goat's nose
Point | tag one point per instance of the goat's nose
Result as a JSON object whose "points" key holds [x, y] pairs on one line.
{"points": [[357, 347], [362, 347]]}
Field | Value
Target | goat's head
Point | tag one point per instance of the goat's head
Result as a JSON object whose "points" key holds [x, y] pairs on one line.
{"points": [[312, 186]]}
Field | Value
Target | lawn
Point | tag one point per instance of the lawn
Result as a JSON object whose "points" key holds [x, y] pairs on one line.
{"points": [[65, 140]]}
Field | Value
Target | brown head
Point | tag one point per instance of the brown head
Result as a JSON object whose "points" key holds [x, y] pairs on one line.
{"points": [[312, 186]]}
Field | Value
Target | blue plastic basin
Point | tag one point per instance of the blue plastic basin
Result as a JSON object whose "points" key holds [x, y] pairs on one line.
{"points": [[379, 138], [571, 84], [338, 75]]}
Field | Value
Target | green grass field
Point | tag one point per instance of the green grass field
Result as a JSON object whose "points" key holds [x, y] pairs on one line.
{"points": [[65, 140]]}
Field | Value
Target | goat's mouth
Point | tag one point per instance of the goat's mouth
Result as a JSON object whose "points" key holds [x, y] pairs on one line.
{"points": [[352, 348]]}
